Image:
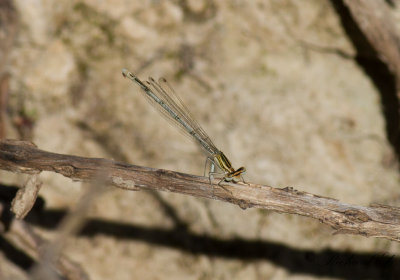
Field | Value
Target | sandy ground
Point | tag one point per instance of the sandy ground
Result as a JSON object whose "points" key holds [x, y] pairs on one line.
{"points": [[266, 82]]}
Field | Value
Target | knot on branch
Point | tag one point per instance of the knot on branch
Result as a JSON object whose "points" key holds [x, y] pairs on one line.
{"points": [[356, 216], [66, 170]]}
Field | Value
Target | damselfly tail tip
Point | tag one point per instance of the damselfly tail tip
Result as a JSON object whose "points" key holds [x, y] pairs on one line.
{"points": [[125, 72]]}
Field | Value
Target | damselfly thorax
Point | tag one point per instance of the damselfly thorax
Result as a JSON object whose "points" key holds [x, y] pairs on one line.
{"points": [[225, 165]]}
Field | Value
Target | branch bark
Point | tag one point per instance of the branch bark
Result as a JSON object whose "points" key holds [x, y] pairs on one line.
{"points": [[374, 221]]}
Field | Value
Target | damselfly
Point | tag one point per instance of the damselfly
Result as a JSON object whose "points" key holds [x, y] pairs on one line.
{"points": [[164, 98]]}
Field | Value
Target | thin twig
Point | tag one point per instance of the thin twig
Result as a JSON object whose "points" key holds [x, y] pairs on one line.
{"points": [[21, 235], [69, 226], [376, 220]]}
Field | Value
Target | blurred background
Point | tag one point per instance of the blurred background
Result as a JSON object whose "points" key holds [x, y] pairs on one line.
{"points": [[280, 86]]}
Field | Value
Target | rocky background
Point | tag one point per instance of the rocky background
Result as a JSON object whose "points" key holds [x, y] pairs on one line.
{"points": [[276, 84]]}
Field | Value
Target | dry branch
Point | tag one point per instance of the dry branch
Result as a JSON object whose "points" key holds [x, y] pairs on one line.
{"points": [[376, 221]]}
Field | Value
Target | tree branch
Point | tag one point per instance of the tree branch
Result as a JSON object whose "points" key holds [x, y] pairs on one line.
{"points": [[376, 220]]}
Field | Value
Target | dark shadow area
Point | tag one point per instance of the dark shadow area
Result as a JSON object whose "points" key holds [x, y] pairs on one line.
{"points": [[382, 78], [324, 263], [391, 3], [15, 255], [12, 253]]}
